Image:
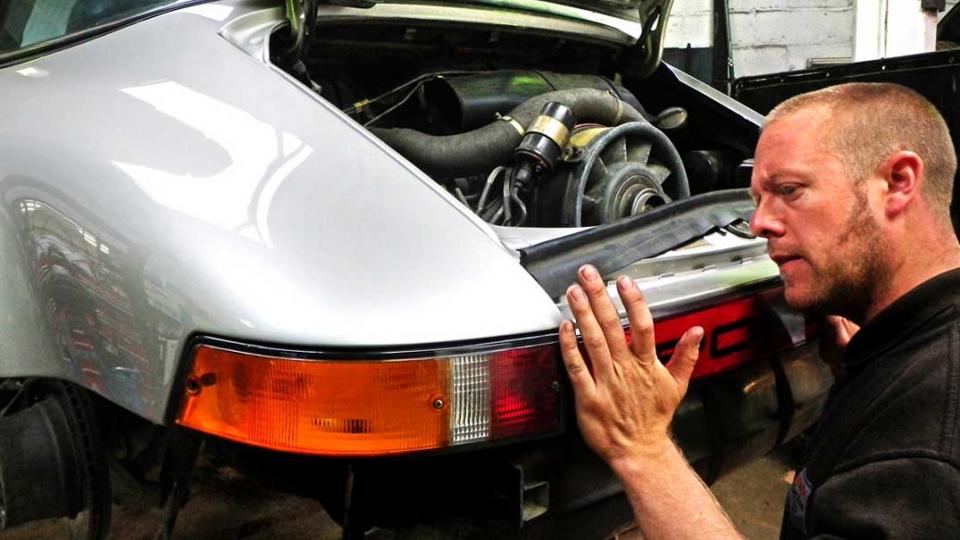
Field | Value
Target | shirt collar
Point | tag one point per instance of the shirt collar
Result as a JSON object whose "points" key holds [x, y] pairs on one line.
{"points": [[903, 317]]}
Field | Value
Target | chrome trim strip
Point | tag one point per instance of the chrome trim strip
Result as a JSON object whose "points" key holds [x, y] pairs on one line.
{"points": [[669, 294], [713, 94]]}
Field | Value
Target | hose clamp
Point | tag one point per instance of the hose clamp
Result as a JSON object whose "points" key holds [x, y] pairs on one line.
{"points": [[619, 117], [513, 122]]}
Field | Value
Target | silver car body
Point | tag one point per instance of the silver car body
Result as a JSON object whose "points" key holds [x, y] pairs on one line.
{"points": [[165, 181]]}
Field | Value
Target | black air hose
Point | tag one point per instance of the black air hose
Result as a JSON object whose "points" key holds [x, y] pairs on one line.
{"points": [[480, 150]]}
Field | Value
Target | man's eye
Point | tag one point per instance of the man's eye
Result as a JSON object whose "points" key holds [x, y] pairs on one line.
{"points": [[787, 190]]}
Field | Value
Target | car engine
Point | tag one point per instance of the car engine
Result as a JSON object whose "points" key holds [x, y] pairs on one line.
{"points": [[510, 129], [525, 148]]}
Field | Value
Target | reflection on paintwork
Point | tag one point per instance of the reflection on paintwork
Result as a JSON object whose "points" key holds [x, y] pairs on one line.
{"points": [[261, 157], [83, 278], [33, 72], [211, 11]]}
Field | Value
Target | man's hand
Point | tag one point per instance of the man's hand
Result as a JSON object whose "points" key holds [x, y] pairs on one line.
{"points": [[837, 333], [625, 405]]}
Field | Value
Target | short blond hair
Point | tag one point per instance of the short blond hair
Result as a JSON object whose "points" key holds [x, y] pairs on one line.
{"points": [[870, 121]]}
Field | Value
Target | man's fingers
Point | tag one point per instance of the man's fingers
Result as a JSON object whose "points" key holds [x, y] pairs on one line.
{"points": [[641, 322], [593, 339], [603, 310], [843, 329], [580, 377], [685, 357]]}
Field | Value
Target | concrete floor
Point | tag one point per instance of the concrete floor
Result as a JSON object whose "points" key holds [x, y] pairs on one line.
{"points": [[225, 506]]}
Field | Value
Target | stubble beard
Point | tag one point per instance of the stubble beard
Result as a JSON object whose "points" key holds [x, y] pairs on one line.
{"points": [[855, 273]]}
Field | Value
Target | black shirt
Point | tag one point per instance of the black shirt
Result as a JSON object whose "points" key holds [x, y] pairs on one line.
{"points": [[885, 459]]}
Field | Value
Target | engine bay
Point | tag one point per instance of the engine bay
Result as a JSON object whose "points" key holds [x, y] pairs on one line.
{"points": [[524, 129]]}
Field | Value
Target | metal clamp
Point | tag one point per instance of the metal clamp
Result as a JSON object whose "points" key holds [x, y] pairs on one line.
{"points": [[513, 122]]}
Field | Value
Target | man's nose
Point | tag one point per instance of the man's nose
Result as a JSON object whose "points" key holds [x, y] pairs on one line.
{"points": [[764, 224]]}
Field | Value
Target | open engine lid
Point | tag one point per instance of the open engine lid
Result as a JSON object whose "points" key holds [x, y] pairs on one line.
{"points": [[643, 20]]}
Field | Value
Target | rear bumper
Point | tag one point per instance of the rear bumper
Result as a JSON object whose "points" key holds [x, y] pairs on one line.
{"points": [[557, 488]]}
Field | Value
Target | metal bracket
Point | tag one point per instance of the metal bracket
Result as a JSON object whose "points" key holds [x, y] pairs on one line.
{"points": [[645, 55], [301, 16], [183, 447]]}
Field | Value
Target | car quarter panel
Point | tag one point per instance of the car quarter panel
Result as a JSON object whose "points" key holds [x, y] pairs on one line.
{"points": [[157, 182]]}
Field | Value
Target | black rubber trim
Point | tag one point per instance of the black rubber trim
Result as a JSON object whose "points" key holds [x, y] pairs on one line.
{"points": [[611, 247], [376, 352], [746, 324], [44, 48]]}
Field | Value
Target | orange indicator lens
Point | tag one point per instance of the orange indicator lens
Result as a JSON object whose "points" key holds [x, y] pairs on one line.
{"points": [[354, 407]]}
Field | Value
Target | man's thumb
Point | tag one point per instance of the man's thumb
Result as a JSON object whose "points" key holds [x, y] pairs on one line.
{"points": [[685, 357]]}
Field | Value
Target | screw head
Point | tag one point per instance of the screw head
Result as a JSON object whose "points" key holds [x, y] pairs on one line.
{"points": [[192, 386], [438, 403]]}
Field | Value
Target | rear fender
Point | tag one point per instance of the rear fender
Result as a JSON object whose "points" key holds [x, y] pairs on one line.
{"points": [[57, 320]]}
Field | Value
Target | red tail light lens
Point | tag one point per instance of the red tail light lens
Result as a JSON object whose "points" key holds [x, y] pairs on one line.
{"points": [[525, 387]]}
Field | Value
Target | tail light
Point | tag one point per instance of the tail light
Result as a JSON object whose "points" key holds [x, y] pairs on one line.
{"points": [[370, 407], [373, 407]]}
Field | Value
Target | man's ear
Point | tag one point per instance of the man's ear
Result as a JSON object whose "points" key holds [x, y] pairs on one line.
{"points": [[902, 174]]}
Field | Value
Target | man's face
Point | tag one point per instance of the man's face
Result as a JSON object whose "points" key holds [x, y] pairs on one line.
{"points": [[818, 221]]}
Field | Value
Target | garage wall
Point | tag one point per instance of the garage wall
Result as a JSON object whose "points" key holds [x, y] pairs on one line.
{"points": [[770, 35], [781, 35]]}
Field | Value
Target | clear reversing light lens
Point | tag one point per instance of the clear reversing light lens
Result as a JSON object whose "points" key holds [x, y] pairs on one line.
{"points": [[470, 419]]}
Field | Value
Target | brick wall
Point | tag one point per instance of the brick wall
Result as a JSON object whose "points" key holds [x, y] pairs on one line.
{"points": [[770, 35], [781, 35]]}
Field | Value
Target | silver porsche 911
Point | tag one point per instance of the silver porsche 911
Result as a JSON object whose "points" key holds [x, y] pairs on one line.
{"points": [[330, 240]]}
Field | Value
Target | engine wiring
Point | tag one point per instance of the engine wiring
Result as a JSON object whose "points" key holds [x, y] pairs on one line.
{"points": [[486, 188], [417, 83], [395, 106], [509, 209]]}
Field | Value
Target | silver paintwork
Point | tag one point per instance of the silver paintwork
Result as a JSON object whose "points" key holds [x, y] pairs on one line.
{"points": [[230, 203], [162, 182]]}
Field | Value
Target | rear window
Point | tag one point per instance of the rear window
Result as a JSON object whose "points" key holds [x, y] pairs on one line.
{"points": [[28, 22]]}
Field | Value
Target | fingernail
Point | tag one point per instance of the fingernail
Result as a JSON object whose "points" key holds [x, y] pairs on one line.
{"points": [[576, 293], [588, 271], [625, 282], [566, 327]]}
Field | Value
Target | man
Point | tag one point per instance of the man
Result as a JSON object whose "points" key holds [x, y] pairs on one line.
{"points": [[853, 186]]}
